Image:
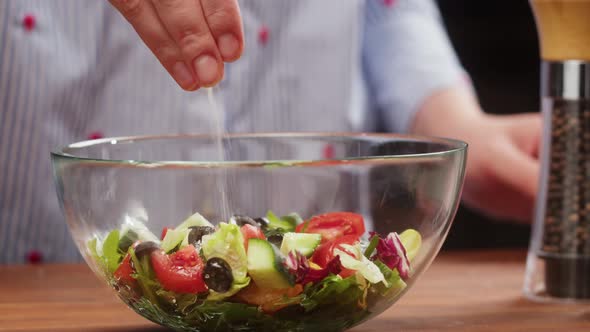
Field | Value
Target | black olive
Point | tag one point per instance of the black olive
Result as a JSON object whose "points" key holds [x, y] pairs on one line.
{"points": [[218, 275], [197, 232], [263, 222], [145, 248], [276, 239], [244, 220]]}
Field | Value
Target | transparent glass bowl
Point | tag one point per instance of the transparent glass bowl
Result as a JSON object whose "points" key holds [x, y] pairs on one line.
{"points": [[395, 182]]}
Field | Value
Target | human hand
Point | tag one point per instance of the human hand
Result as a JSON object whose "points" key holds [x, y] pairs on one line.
{"points": [[502, 167], [191, 38]]}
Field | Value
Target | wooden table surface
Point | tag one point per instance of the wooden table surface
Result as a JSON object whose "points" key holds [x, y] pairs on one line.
{"points": [[477, 291]]}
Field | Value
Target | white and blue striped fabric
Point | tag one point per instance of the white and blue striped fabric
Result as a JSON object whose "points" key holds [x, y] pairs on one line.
{"points": [[76, 68]]}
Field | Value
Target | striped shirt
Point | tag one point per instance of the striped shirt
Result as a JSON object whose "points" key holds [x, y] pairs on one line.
{"points": [[74, 69]]}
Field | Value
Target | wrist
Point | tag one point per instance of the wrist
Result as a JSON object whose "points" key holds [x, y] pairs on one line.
{"points": [[448, 113]]}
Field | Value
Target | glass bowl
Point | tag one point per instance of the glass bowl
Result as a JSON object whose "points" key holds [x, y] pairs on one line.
{"points": [[260, 231]]}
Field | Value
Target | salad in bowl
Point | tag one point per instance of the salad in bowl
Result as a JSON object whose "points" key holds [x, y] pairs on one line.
{"points": [[265, 273]]}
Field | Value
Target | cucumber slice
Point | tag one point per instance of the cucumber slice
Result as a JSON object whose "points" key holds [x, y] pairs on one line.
{"points": [[412, 241], [172, 239], [264, 267], [134, 230], [195, 220], [303, 242]]}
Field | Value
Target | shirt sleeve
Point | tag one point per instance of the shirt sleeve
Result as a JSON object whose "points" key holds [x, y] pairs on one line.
{"points": [[407, 56]]}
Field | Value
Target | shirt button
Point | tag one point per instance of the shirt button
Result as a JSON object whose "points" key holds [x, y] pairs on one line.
{"points": [[34, 257], [95, 135], [263, 34], [29, 22]]}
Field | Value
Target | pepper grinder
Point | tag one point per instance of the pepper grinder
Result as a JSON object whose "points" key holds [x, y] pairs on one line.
{"points": [[558, 262]]}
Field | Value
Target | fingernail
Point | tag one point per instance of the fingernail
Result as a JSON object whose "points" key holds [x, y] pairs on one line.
{"points": [[182, 75], [206, 68], [228, 46]]}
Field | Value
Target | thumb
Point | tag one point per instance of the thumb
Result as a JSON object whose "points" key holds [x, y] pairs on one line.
{"points": [[517, 169]]}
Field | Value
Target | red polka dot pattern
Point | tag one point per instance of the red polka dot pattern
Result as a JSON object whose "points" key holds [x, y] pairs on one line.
{"points": [[389, 3], [263, 35], [34, 257], [329, 151], [29, 22], [95, 135]]}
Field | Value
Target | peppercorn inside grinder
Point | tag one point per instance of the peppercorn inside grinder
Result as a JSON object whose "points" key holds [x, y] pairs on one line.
{"points": [[558, 263]]}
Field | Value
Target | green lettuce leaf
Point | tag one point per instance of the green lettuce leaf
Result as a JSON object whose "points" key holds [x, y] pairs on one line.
{"points": [[372, 246], [394, 284], [182, 303], [284, 224], [145, 277], [361, 264], [333, 291], [227, 243], [91, 245], [110, 251]]}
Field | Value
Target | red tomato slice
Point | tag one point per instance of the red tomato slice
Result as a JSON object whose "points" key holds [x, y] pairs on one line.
{"points": [[180, 272], [334, 225], [124, 272], [325, 252], [251, 232]]}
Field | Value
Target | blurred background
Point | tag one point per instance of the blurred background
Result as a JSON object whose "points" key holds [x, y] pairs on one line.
{"points": [[497, 43]]}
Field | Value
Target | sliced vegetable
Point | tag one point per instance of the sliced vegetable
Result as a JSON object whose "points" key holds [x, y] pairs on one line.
{"points": [[264, 266], [195, 220], [269, 300], [394, 281], [251, 232], [145, 249], [306, 271], [145, 276], [334, 225], [293, 218], [173, 239], [196, 233], [178, 237], [333, 291], [227, 243], [164, 231], [372, 245], [124, 273], [218, 275], [127, 238], [392, 253], [325, 253], [274, 236], [180, 272], [245, 220], [302, 242], [360, 263], [412, 241], [285, 224], [92, 246], [134, 230], [110, 251]]}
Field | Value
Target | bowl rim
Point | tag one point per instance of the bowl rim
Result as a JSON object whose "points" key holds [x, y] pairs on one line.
{"points": [[455, 146]]}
